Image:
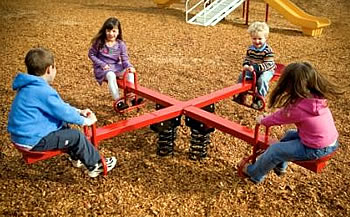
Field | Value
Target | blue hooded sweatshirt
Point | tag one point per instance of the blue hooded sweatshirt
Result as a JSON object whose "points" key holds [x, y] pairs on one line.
{"points": [[37, 110]]}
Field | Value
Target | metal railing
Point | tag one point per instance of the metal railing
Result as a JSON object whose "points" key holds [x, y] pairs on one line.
{"points": [[197, 5]]}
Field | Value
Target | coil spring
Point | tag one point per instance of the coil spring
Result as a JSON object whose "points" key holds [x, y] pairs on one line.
{"points": [[166, 142], [199, 144]]}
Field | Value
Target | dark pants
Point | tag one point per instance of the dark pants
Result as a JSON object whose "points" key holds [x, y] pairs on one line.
{"points": [[77, 145]]}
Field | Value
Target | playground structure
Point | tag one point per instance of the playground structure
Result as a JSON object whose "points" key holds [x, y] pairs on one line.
{"points": [[210, 12], [310, 25], [142, 183], [199, 116]]}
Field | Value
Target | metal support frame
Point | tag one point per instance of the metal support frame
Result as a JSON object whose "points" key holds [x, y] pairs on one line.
{"points": [[174, 108], [245, 13], [170, 109]]}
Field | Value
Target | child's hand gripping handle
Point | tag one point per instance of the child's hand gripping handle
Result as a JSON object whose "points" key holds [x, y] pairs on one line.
{"points": [[90, 118], [89, 121], [244, 71]]}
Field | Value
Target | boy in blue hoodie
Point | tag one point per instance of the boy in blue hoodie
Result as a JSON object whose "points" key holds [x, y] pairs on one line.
{"points": [[38, 120]]}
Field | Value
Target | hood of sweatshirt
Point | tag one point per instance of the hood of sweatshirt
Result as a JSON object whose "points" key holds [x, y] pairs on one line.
{"points": [[23, 80], [314, 106]]}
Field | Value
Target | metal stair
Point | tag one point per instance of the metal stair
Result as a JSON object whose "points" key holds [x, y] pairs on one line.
{"points": [[212, 13]]}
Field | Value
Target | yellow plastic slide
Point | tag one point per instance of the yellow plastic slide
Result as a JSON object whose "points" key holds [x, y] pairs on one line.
{"points": [[309, 24], [165, 3]]}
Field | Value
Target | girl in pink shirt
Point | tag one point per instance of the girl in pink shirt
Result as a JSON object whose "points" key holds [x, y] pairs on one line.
{"points": [[302, 94]]}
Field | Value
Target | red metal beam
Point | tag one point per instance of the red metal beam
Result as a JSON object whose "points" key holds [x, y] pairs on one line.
{"points": [[131, 124], [149, 94], [192, 108], [220, 94], [227, 126], [198, 102], [157, 97], [176, 108]]}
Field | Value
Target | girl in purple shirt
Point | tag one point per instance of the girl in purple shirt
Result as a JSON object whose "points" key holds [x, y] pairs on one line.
{"points": [[301, 93], [110, 58]]}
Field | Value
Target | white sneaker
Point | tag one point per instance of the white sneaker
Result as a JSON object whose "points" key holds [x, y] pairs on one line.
{"points": [[110, 163], [76, 163]]}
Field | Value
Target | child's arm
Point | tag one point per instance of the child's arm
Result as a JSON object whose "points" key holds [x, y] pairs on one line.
{"points": [[124, 56], [283, 116], [267, 65], [56, 108], [84, 112], [93, 52], [246, 62], [247, 66]]}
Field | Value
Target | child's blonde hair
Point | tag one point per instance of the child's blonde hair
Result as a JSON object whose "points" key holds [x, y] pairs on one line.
{"points": [[259, 27]]}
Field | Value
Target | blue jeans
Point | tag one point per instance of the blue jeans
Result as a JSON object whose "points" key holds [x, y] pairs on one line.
{"points": [[262, 83], [277, 155], [79, 148]]}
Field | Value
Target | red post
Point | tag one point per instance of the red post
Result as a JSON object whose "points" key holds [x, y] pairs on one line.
{"points": [[267, 13], [247, 14], [93, 135], [243, 12], [256, 141]]}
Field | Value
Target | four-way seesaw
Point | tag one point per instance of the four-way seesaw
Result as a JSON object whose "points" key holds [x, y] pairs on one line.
{"points": [[199, 116]]}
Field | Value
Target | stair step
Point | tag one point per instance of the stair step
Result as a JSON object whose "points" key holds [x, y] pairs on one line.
{"points": [[215, 12]]}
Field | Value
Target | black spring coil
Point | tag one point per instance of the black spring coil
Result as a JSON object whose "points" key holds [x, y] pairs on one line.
{"points": [[166, 142], [199, 144]]}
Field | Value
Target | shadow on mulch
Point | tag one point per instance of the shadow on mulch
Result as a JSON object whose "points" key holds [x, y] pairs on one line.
{"points": [[53, 170], [240, 23], [146, 10]]}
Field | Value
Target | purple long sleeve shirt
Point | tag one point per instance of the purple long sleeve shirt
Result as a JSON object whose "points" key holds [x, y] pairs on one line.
{"points": [[115, 56]]}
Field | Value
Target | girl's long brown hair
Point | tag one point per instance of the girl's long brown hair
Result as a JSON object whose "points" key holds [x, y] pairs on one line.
{"points": [[99, 39], [301, 80]]}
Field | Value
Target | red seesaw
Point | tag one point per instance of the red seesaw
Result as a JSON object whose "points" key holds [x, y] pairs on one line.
{"points": [[192, 109], [199, 116]]}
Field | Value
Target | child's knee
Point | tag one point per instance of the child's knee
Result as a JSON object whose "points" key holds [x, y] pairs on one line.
{"points": [[290, 135], [267, 76], [110, 76], [76, 133], [131, 77]]}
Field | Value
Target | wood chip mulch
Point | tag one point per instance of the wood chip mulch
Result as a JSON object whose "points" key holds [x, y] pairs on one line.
{"points": [[182, 61]]}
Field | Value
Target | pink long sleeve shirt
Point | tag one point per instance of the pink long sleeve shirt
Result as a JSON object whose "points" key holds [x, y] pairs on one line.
{"points": [[313, 119]]}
